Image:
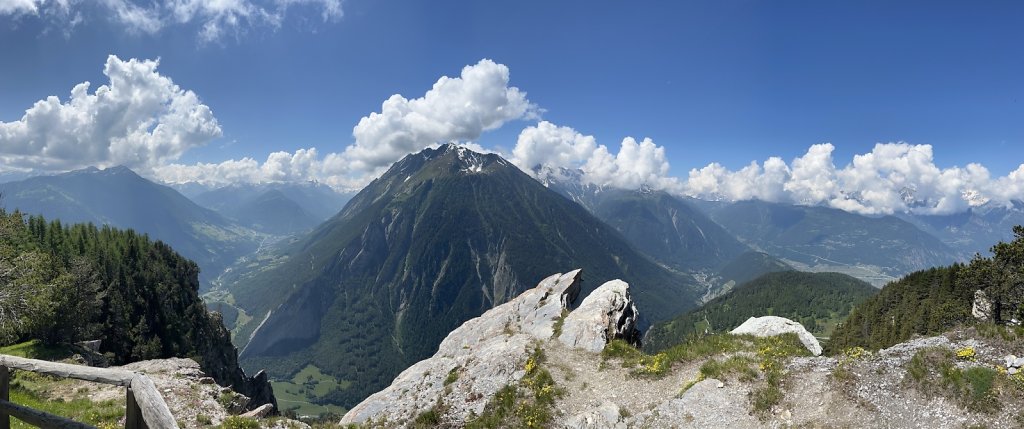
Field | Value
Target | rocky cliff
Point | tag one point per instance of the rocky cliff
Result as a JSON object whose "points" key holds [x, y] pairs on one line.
{"points": [[533, 362], [219, 359]]}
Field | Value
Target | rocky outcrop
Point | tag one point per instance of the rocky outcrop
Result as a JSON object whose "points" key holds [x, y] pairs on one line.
{"points": [[768, 326], [607, 313], [475, 360], [188, 391], [219, 359], [862, 389], [982, 308]]}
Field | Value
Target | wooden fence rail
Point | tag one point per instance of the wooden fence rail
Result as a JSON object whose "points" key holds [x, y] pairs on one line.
{"points": [[145, 407]]}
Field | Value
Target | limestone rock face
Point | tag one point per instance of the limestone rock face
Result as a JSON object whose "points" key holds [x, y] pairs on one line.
{"points": [[982, 308], [769, 326], [475, 360], [606, 314]]}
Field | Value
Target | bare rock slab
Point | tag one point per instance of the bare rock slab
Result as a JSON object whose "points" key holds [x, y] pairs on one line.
{"points": [[769, 326], [606, 314], [475, 360]]}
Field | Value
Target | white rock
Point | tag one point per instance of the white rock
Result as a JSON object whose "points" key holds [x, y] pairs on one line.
{"points": [[260, 412], [982, 307], [607, 313], [1011, 370], [1019, 362], [605, 416], [487, 353], [1010, 360], [769, 326]]}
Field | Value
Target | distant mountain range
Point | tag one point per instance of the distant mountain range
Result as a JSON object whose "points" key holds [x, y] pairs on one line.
{"points": [[276, 208], [670, 229], [703, 237], [441, 237], [874, 249], [975, 230], [118, 197]]}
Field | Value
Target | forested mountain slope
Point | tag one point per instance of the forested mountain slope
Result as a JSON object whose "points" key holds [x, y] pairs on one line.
{"points": [[120, 198], [938, 299], [816, 300]]}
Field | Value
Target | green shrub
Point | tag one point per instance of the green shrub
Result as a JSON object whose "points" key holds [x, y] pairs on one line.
{"points": [[453, 376], [236, 422], [933, 371], [530, 404], [556, 330], [427, 419]]}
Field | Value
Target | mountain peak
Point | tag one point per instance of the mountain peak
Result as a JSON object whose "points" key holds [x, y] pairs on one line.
{"points": [[119, 170], [446, 160]]}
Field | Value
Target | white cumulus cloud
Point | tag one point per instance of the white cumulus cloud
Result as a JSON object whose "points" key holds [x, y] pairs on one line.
{"points": [[455, 109], [552, 145], [635, 163], [301, 166], [215, 18], [16, 7], [140, 119], [892, 178]]}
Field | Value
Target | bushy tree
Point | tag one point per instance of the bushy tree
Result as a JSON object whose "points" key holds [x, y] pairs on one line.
{"points": [[1001, 277]]}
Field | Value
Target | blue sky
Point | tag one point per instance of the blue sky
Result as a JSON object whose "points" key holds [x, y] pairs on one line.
{"points": [[727, 82]]}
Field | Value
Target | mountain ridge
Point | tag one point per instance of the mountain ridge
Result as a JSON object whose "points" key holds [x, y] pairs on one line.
{"points": [[442, 236], [119, 197]]}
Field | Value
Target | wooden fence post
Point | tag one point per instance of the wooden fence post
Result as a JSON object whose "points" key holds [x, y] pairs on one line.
{"points": [[5, 395], [132, 412]]}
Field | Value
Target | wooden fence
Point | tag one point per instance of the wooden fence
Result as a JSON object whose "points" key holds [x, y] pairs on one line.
{"points": [[145, 408]]}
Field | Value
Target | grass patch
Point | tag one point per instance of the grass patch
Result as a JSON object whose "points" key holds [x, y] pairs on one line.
{"points": [[740, 366], [302, 393], [235, 422], [453, 376], [556, 330], [99, 414], [35, 349], [428, 419], [751, 359], [1004, 332], [848, 357], [40, 391], [933, 371], [530, 404], [700, 348]]}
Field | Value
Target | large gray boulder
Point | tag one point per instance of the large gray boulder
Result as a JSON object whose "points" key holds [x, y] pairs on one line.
{"points": [[605, 416], [982, 308], [475, 360], [606, 314], [769, 326]]}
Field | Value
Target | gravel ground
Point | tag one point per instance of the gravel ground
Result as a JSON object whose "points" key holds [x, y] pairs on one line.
{"points": [[871, 393]]}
